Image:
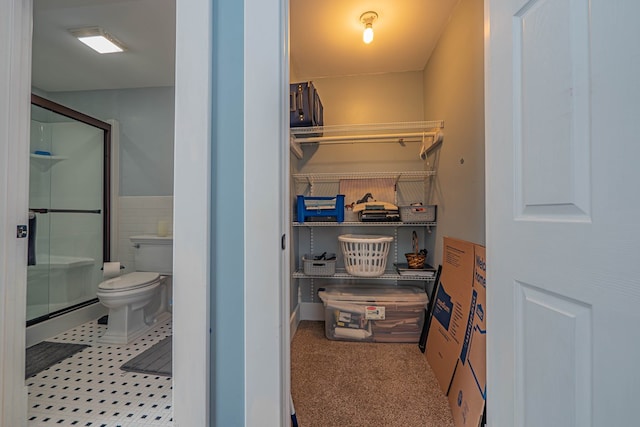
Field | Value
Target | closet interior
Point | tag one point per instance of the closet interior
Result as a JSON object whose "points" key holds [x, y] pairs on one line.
{"points": [[410, 145]]}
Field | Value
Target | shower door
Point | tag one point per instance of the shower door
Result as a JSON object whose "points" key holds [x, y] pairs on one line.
{"points": [[68, 209]]}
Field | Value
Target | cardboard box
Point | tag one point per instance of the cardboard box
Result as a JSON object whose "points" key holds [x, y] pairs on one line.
{"points": [[467, 395], [450, 310]]}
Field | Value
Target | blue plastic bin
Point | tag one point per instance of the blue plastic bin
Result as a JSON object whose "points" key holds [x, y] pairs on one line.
{"points": [[309, 206]]}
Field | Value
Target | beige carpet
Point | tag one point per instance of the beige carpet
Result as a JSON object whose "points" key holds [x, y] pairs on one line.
{"points": [[340, 383]]}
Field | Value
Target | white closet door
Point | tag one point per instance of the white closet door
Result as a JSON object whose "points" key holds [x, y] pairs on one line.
{"points": [[563, 212], [15, 85]]}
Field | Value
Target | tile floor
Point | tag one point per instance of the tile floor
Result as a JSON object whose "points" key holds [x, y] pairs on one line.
{"points": [[88, 389]]}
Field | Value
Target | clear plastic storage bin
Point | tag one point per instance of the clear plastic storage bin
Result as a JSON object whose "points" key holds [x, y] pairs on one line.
{"points": [[373, 313]]}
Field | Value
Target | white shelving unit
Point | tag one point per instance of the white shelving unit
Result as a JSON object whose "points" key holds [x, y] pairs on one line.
{"points": [[429, 132], [395, 252], [317, 236]]}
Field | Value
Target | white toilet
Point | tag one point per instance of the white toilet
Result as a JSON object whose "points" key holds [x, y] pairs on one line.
{"points": [[138, 300]]}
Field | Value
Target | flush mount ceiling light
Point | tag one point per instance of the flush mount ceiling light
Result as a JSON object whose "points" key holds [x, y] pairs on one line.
{"points": [[98, 39], [367, 19]]}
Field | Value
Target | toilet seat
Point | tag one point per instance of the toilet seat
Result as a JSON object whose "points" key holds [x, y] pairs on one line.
{"points": [[129, 281]]}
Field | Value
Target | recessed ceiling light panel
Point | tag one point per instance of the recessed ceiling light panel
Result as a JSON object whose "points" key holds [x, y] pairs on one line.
{"points": [[98, 39]]}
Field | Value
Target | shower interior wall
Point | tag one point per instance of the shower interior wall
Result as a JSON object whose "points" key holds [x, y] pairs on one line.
{"points": [[54, 183]]}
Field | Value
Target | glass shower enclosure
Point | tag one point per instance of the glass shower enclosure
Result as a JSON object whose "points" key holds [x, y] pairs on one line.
{"points": [[68, 209]]}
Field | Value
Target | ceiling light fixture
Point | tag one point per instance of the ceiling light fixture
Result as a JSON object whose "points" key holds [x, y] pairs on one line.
{"points": [[98, 39], [367, 19]]}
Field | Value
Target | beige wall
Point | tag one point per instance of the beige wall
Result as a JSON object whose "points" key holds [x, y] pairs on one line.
{"points": [[292, 73], [379, 98], [454, 92]]}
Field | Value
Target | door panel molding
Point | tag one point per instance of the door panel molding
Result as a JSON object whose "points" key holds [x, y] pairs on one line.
{"points": [[553, 358], [552, 110]]}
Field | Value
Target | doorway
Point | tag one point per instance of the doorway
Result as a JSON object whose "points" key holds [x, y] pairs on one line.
{"points": [[448, 87], [136, 90]]}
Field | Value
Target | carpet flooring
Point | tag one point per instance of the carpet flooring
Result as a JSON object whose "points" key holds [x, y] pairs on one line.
{"points": [[341, 383], [46, 354], [156, 360]]}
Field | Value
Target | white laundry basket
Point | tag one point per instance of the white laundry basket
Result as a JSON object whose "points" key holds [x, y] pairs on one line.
{"points": [[365, 255]]}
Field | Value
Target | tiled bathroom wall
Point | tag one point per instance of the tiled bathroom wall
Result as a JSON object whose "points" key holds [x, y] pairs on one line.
{"points": [[138, 215]]}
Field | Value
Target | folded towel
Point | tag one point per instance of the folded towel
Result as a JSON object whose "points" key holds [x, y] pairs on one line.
{"points": [[31, 251]]}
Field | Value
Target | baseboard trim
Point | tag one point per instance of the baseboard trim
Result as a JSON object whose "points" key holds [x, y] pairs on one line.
{"points": [[294, 321], [311, 311]]}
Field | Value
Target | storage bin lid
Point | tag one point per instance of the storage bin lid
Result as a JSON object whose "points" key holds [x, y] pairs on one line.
{"points": [[372, 293]]}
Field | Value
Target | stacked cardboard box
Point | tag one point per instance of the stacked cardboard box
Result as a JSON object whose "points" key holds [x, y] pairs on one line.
{"points": [[456, 343]]}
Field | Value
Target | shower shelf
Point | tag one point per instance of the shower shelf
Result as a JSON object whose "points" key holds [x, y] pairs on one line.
{"points": [[45, 162]]}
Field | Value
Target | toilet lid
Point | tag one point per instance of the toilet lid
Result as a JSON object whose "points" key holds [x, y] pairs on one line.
{"points": [[128, 281]]}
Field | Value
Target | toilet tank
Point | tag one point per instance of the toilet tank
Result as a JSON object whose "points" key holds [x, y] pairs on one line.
{"points": [[153, 253]]}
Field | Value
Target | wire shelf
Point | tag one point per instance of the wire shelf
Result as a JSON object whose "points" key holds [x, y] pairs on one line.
{"points": [[362, 224], [341, 273], [354, 131], [414, 176]]}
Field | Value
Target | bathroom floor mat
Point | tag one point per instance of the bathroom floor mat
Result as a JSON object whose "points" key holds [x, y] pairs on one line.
{"points": [[46, 354], [156, 360]]}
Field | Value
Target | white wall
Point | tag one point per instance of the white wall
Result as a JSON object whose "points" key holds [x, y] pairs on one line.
{"points": [[454, 92], [137, 216]]}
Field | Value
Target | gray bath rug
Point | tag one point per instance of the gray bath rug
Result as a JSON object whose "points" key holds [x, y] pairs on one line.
{"points": [[46, 354], [156, 360]]}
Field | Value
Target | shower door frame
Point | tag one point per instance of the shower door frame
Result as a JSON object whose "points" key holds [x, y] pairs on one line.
{"points": [[106, 188]]}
